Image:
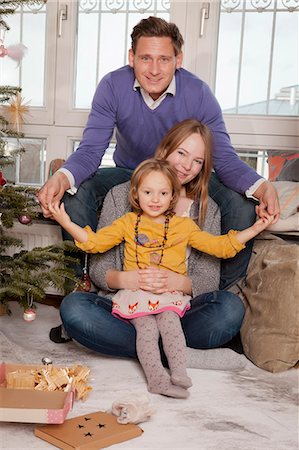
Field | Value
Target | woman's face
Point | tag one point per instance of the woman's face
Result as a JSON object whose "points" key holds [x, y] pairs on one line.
{"points": [[188, 158]]}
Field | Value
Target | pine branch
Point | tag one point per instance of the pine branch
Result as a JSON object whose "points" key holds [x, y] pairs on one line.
{"points": [[8, 91], [30, 272], [26, 273], [3, 122], [14, 201], [6, 242]]}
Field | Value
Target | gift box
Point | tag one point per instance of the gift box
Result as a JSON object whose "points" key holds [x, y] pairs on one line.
{"points": [[23, 403], [91, 431]]}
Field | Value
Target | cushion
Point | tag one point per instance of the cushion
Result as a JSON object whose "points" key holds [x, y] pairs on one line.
{"points": [[270, 331], [282, 166], [288, 194], [290, 170]]}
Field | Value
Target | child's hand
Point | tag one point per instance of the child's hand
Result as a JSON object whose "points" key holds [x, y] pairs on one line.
{"points": [[262, 223], [59, 214]]}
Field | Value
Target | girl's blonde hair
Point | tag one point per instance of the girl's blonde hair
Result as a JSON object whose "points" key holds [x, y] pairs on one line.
{"points": [[146, 167], [198, 187]]}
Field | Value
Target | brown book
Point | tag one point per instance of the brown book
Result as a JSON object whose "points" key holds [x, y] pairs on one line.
{"points": [[91, 431]]}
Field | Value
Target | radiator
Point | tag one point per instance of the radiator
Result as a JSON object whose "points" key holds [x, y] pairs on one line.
{"points": [[38, 234]]}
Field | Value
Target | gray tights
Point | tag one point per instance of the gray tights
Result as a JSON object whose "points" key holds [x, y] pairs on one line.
{"points": [[148, 329]]}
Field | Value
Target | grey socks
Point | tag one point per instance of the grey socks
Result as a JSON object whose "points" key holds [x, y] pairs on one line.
{"points": [[148, 330]]}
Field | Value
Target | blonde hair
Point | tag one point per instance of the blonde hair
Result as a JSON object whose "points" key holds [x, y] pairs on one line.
{"points": [[198, 187], [146, 167]]}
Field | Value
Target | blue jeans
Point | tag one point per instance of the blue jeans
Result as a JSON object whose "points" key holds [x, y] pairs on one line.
{"points": [[236, 212], [213, 320]]}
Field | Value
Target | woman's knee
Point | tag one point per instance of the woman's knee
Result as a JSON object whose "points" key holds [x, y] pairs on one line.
{"points": [[74, 306]]}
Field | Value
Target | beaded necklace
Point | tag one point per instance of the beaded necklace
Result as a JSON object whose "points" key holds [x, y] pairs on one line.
{"points": [[161, 246]]}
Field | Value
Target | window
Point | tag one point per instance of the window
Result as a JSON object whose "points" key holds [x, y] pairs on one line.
{"points": [[256, 60], [29, 167], [110, 24], [247, 51]]}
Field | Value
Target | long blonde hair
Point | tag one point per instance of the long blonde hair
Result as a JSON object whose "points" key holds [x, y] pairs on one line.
{"points": [[196, 189], [146, 167]]}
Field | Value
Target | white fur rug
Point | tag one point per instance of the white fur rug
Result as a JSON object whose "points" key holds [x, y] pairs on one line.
{"points": [[250, 409]]}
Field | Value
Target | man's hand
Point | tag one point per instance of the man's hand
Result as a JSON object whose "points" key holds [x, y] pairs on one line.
{"points": [[52, 192], [268, 198]]}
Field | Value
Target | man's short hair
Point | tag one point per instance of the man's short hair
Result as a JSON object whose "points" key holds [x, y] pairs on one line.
{"points": [[156, 27]]}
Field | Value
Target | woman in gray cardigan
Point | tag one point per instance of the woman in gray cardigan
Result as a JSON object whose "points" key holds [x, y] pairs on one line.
{"points": [[215, 316]]}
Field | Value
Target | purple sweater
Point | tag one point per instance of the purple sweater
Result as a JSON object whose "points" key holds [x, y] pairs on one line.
{"points": [[139, 129]]}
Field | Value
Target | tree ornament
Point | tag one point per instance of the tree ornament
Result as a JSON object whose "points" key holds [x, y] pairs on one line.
{"points": [[25, 219], [85, 282], [15, 52], [17, 111], [2, 179], [29, 313]]}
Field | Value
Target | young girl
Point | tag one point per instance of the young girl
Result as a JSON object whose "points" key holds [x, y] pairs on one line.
{"points": [[153, 235]]}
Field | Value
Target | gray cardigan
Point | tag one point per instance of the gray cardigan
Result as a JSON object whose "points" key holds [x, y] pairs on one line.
{"points": [[203, 269]]}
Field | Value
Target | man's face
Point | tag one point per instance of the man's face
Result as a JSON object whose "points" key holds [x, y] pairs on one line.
{"points": [[154, 64]]}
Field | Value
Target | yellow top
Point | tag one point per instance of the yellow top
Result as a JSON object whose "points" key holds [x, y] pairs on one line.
{"points": [[181, 233]]}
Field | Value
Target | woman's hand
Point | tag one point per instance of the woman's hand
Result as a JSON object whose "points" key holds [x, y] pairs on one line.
{"points": [[152, 279]]}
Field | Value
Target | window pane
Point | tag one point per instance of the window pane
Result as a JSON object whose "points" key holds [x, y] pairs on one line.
{"points": [[257, 62], [107, 160], [27, 26], [284, 86], [258, 160], [103, 39], [29, 167]]}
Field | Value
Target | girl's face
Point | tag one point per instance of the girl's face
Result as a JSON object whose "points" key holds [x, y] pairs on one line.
{"points": [[154, 195], [188, 158]]}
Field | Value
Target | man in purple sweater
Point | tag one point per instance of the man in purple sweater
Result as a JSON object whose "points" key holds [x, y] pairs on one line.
{"points": [[141, 102]]}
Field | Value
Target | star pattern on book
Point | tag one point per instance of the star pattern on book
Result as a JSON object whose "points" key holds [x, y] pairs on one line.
{"points": [[93, 430]]}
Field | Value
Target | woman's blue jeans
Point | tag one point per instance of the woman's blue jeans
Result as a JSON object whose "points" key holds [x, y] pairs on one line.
{"points": [[236, 213], [213, 320]]}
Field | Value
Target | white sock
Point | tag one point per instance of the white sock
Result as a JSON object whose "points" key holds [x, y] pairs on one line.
{"points": [[215, 359]]}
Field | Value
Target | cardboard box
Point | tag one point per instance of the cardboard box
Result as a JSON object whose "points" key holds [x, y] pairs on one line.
{"points": [[91, 431], [29, 405]]}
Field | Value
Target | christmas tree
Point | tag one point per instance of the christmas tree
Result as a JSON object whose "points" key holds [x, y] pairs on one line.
{"points": [[24, 275]]}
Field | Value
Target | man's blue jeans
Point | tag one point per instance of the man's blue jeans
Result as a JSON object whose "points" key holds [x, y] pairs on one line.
{"points": [[213, 320], [236, 213]]}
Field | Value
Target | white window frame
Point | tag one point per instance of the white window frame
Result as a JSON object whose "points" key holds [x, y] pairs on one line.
{"points": [[246, 131], [61, 125]]}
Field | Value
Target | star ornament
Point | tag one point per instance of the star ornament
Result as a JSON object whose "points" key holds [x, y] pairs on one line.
{"points": [[17, 109]]}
